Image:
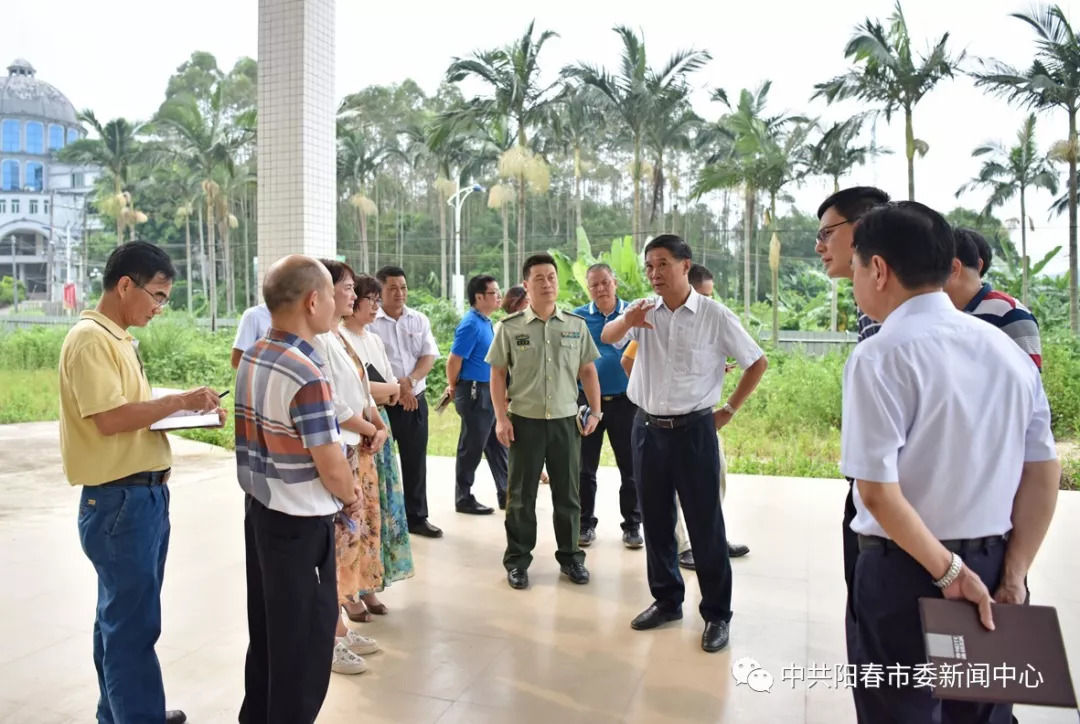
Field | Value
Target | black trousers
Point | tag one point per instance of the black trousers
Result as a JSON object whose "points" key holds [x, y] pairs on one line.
{"points": [[472, 400], [410, 429], [292, 615], [685, 460], [618, 422], [888, 632], [851, 554]]}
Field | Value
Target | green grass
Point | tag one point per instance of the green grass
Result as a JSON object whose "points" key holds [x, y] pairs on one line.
{"points": [[789, 426]]}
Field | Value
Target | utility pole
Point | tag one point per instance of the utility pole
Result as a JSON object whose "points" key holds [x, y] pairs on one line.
{"points": [[14, 273], [51, 268], [86, 255]]}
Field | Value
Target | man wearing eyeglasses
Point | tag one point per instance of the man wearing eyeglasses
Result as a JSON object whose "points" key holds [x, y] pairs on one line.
{"points": [[107, 447], [468, 379], [837, 217]]}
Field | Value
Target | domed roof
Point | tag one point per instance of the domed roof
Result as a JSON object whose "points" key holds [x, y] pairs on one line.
{"points": [[24, 95]]}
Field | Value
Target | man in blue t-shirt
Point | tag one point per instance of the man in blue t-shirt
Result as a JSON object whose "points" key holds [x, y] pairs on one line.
{"points": [[468, 378], [618, 417]]}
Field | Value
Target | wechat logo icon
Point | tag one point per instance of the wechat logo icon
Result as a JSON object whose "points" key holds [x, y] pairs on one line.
{"points": [[748, 671]]}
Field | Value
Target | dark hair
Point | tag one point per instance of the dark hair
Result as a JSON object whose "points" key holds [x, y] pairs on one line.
{"points": [[967, 249], [514, 296], [914, 240], [139, 261], [699, 274], [478, 285], [600, 266], [674, 244], [366, 285], [985, 253], [537, 260], [390, 271], [292, 282], [338, 270], [853, 203]]}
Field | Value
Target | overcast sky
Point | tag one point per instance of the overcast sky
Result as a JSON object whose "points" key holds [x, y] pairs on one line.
{"points": [[117, 58]]}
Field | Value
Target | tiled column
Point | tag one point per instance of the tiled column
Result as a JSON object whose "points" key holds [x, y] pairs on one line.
{"points": [[296, 144]]}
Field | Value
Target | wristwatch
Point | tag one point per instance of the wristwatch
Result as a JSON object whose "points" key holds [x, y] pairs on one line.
{"points": [[598, 415], [952, 574], [412, 382], [729, 409]]}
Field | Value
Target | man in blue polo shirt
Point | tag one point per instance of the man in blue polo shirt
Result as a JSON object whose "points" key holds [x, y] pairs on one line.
{"points": [[468, 377], [618, 413]]}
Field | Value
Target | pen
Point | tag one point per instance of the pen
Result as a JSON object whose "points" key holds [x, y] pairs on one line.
{"points": [[222, 395]]}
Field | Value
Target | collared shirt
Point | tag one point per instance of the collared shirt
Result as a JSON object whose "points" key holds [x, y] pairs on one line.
{"points": [[612, 377], [472, 338], [680, 361], [407, 339], [100, 371], [912, 397], [284, 407], [253, 326], [866, 326], [352, 393], [1011, 317], [543, 359]]}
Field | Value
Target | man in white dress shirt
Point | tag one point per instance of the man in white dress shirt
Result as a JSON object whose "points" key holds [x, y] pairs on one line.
{"points": [[410, 345], [935, 514], [684, 340], [253, 326]]}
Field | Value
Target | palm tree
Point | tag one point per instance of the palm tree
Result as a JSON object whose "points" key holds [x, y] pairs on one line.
{"points": [[889, 75], [1052, 81], [1008, 172], [116, 149], [358, 160], [512, 75], [670, 128], [836, 153], [748, 158], [205, 142], [576, 124], [636, 96]]}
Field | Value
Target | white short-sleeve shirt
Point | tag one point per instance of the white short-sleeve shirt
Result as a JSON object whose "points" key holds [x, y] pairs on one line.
{"points": [[949, 408], [351, 393], [680, 361], [407, 339], [253, 326]]}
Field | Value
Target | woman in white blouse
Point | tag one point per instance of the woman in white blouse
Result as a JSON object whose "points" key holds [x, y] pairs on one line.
{"points": [[359, 556], [396, 548]]}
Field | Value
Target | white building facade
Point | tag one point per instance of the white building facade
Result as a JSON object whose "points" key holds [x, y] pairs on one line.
{"points": [[42, 201]]}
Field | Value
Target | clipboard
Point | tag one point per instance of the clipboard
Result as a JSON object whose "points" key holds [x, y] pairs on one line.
{"points": [[184, 419], [1022, 661]]}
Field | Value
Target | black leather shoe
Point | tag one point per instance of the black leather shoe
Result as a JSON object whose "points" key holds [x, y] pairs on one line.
{"points": [[577, 573], [425, 529], [175, 717], [737, 550], [686, 559], [518, 578], [715, 636], [632, 539], [473, 507], [586, 537], [655, 615]]}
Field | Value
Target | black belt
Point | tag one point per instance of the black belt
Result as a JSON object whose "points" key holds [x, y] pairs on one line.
{"points": [[609, 398], [957, 545], [474, 382], [671, 422], [158, 477]]}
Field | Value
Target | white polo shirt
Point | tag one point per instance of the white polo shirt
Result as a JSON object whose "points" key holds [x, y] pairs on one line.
{"points": [[680, 362], [406, 339], [254, 324], [951, 409]]}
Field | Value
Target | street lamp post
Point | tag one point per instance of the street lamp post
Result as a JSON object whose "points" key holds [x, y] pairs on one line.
{"points": [[457, 284]]}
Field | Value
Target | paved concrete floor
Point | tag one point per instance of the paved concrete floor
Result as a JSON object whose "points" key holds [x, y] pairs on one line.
{"points": [[459, 646]]}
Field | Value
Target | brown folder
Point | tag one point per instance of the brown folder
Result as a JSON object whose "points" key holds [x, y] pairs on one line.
{"points": [[1022, 661]]}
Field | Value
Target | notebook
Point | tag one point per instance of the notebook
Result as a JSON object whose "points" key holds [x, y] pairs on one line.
{"points": [[182, 420], [1022, 661]]}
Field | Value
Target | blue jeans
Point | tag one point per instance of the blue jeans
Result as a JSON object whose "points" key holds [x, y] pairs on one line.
{"points": [[124, 531]]}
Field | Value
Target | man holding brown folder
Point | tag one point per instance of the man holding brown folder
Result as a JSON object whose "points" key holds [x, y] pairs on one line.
{"points": [[936, 515], [108, 448]]}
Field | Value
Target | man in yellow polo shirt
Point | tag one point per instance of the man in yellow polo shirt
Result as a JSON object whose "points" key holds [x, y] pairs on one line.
{"points": [[106, 410]]}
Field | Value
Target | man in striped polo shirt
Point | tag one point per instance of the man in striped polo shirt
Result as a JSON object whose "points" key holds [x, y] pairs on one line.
{"points": [[970, 294], [291, 464]]}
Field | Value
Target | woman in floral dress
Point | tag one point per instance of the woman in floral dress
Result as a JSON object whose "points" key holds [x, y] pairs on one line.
{"points": [[357, 536], [397, 561]]}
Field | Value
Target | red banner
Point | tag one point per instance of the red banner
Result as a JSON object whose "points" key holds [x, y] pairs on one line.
{"points": [[69, 296]]}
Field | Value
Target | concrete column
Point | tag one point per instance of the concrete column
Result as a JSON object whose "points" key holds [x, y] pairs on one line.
{"points": [[297, 212]]}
